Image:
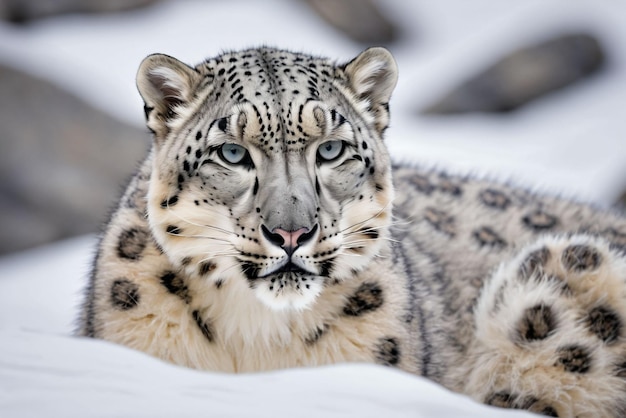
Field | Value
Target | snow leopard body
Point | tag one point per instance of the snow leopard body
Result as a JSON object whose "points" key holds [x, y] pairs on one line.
{"points": [[268, 228]]}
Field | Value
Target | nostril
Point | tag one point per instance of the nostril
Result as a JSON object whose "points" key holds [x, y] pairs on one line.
{"points": [[306, 236], [275, 239], [289, 241]]}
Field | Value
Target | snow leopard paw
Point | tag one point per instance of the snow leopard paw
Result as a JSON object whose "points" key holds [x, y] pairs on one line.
{"points": [[551, 331]]}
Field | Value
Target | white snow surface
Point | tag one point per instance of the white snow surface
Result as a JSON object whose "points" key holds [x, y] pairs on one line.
{"points": [[571, 142]]}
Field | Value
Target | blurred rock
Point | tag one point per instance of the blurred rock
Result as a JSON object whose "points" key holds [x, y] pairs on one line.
{"points": [[525, 75], [62, 162], [621, 202], [20, 11], [361, 20]]}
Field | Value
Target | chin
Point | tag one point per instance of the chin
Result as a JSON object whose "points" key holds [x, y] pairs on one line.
{"points": [[288, 292]]}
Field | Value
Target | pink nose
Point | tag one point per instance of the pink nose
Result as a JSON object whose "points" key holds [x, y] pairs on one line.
{"points": [[289, 240], [290, 237]]}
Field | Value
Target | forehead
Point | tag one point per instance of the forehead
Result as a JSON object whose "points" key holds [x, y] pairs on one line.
{"points": [[275, 87], [272, 71]]}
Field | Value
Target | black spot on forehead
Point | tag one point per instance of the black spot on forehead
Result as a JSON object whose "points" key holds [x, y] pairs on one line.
{"points": [[275, 82], [270, 64]]}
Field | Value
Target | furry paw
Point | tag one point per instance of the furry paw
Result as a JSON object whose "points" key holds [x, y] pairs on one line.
{"points": [[551, 331]]}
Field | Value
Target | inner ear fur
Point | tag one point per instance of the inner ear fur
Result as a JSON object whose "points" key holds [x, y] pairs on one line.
{"points": [[165, 85], [373, 75]]}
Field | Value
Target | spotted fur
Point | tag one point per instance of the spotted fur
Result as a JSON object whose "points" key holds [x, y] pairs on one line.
{"points": [[258, 234]]}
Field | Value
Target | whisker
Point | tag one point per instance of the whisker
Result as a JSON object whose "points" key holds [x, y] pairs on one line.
{"points": [[356, 242], [350, 254], [231, 267], [221, 251], [368, 229], [388, 239], [402, 221], [216, 228], [354, 247], [199, 237], [362, 242], [381, 256], [365, 220], [210, 257], [374, 228], [361, 231], [359, 255]]}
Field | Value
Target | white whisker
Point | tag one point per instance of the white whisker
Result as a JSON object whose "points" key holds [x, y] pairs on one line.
{"points": [[225, 241], [231, 267], [349, 254], [365, 220], [369, 241], [372, 228], [216, 228], [212, 256]]}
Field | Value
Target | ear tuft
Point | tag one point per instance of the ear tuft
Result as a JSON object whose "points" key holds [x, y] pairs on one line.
{"points": [[373, 75], [165, 84]]}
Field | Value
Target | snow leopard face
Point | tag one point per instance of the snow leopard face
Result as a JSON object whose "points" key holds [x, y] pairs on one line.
{"points": [[269, 168]]}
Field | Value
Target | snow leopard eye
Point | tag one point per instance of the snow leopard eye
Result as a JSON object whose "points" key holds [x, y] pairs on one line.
{"points": [[234, 154], [330, 150]]}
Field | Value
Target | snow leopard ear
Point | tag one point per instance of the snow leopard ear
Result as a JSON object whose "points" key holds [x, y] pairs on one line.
{"points": [[166, 86], [373, 75]]}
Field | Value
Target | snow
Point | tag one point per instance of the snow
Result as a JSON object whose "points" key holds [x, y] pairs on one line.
{"points": [[78, 378], [571, 142]]}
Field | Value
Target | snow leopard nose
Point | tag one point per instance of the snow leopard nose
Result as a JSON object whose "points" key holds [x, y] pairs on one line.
{"points": [[288, 240]]}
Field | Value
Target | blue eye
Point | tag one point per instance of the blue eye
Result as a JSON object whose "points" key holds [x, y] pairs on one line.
{"points": [[233, 154], [330, 150]]}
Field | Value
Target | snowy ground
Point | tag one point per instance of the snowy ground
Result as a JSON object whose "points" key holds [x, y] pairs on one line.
{"points": [[572, 142]]}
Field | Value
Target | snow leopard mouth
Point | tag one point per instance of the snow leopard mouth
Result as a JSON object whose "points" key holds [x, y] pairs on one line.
{"points": [[288, 269], [287, 286]]}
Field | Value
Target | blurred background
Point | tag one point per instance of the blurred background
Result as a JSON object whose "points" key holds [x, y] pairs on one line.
{"points": [[532, 92]]}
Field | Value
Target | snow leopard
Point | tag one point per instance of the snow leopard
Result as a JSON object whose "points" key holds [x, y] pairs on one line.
{"points": [[268, 228]]}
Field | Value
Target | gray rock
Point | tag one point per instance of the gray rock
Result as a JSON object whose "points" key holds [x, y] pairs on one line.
{"points": [[361, 20], [525, 75], [620, 204], [20, 11], [62, 162]]}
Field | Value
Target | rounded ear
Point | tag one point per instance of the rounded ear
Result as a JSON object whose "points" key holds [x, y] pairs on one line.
{"points": [[373, 75], [165, 84]]}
